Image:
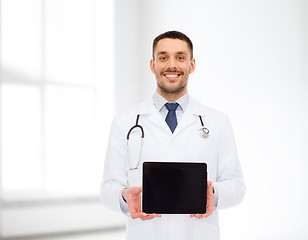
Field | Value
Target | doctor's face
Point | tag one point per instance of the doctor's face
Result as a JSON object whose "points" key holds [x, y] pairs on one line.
{"points": [[172, 63]]}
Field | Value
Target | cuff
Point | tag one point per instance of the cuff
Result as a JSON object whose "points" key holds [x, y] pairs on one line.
{"points": [[123, 205], [216, 197]]}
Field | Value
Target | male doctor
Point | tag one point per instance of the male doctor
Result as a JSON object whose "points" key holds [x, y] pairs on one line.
{"points": [[171, 121]]}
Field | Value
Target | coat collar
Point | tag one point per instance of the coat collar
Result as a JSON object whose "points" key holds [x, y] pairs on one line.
{"points": [[193, 110], [194, 107]]}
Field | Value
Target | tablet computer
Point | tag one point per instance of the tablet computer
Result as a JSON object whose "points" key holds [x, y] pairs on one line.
{"points": [[174, 187]]}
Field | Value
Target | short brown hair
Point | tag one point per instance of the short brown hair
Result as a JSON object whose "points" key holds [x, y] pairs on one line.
{"points": [[173, 35]]}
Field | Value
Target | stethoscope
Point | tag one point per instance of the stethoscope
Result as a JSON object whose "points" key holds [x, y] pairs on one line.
{"points": [[203, 132]]}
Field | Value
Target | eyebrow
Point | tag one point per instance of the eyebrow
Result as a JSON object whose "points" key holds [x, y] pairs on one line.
{"points": [[165, 52], [183, 53], [162, 52]]}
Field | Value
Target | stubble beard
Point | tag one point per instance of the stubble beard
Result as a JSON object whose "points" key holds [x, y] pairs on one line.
{"points": [[174, 91], [169, 90]]}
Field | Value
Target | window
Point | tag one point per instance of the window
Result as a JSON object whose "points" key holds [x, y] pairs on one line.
{"points": [[51, 102]]}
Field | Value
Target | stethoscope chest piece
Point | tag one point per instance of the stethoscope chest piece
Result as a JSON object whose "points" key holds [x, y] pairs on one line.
{"points": [[204, 132]]}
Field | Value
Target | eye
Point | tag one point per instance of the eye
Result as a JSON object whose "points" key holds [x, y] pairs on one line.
{"points": [[162, 58], [181, 58]]}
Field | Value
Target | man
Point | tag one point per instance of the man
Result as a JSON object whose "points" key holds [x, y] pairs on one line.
{"points": [[171, 121]]}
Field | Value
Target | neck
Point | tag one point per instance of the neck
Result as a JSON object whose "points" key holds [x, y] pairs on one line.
{"points": [[171, 97]]}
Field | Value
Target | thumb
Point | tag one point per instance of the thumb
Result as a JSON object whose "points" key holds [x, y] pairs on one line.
{"points": [[136, 190], [209, 184]]}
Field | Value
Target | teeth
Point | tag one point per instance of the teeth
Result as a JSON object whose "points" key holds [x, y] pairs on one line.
{"points": [[171, 76]]}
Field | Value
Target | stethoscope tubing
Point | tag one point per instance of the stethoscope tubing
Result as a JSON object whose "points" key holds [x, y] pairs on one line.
{"points": [[204, 132], [135, 126]]}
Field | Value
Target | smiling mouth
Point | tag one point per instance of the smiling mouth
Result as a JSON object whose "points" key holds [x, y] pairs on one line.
{"points": [[172, 75]]}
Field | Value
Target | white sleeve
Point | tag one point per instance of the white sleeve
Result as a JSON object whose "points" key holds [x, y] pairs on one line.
{"points": [[124, 207], [230, 186], [115, 170]]}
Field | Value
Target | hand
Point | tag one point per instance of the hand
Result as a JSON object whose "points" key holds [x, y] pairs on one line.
{"points": [[210, 202], [132, 196]]}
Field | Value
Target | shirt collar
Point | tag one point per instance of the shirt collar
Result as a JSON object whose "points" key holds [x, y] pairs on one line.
{"points": [[159, 101]]}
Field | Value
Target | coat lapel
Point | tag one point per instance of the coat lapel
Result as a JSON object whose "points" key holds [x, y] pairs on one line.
{"points": [[148, 108], [191, 114]]}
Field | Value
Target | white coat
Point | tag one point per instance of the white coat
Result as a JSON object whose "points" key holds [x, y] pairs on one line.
{"points": [[218, 150]]}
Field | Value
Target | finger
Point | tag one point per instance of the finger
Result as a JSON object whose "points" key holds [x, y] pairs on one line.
{"points": [[150, 216], [144, 216], [197, 215], [209, 184], [154, 215], [135, 215]]}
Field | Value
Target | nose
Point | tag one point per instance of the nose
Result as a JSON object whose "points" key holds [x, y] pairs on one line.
{"points": [[172, 64]]}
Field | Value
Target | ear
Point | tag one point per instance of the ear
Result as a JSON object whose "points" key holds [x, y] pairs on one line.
{"points": [[152, 65], [192, 66]]}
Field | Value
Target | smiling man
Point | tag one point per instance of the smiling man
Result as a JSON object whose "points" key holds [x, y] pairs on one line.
{"points": [[172, 63], [173, 124]]}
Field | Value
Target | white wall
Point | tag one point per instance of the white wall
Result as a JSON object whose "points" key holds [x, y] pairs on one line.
{"points": [[251, 64], [127, 41], [35, 213]]}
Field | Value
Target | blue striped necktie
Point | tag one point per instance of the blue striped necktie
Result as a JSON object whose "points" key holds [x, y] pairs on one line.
{"points": [[171, 116]]}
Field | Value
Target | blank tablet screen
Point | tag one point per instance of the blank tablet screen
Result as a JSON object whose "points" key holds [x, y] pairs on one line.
{"points": [[174, 188]]}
